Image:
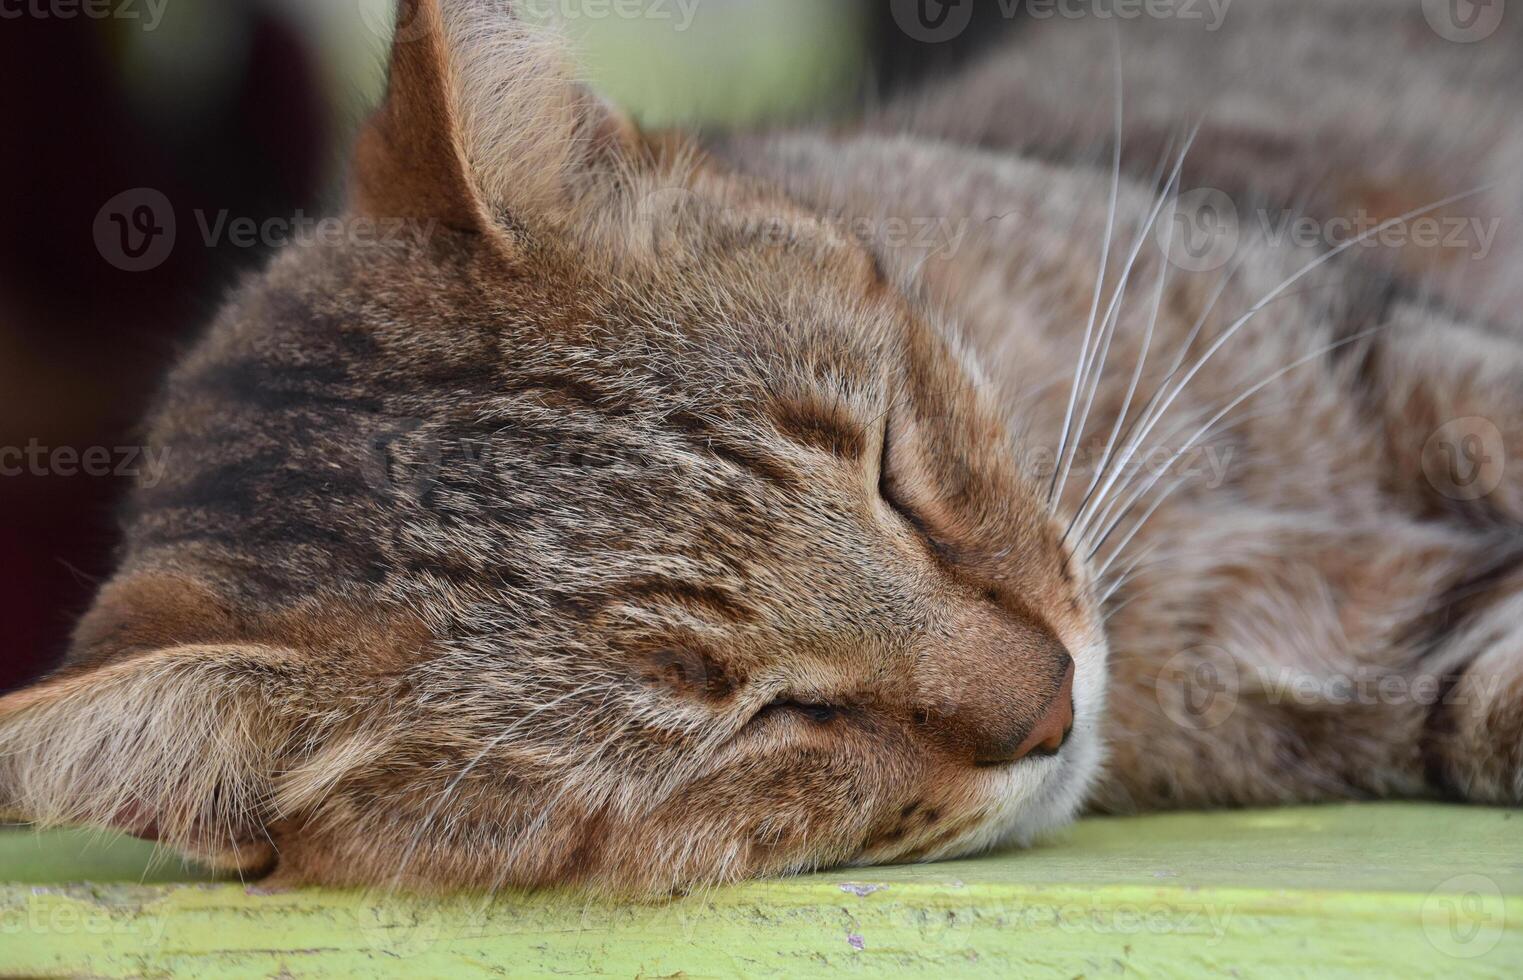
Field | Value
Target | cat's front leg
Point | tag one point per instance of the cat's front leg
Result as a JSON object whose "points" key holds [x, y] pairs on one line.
{"points": [[1473, 742], [1449, 398], [1276, 661]]}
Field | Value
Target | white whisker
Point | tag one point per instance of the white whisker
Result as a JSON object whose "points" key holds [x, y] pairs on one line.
{"points": [[1112, 317], [1081, 368], [1135, 433], [1201, 433], [1238, 324], [1142, 358]]}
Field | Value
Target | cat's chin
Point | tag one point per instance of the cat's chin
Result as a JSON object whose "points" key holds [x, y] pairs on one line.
{"points": [[1056, 802]]}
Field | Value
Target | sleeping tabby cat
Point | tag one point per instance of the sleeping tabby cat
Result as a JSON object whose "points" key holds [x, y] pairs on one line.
{"points": [[653, 510]]}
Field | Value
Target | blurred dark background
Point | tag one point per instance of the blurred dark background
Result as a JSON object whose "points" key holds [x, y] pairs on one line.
{"points": [[242, 109]]}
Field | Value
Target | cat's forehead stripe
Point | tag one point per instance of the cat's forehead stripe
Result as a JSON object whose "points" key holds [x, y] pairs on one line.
{"points": [[713, 599], [709, 437], [821, 427]]}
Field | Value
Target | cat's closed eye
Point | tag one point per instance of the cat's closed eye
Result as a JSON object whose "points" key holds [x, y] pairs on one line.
{"points": [[891, 481], [817, 712]]}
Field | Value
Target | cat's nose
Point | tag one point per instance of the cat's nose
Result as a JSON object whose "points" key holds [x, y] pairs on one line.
{"points": [[994, 689], [1044, 737]]}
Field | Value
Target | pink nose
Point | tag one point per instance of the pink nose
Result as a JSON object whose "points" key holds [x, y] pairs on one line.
{"points": [[1045, 736]]}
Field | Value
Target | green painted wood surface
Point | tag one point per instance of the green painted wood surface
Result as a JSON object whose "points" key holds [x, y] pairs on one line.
{"points": [[1381, 889]]}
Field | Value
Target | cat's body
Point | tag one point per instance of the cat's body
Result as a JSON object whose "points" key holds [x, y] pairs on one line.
{"points": [[1299, 613], [1301, 566], [665, 515]]}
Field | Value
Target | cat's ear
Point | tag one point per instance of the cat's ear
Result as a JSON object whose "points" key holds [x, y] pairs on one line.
{"points": [[180, 744], [482, 118]]}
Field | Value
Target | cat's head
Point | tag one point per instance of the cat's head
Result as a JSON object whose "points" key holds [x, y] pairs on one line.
{"points": [[595, 518]]}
